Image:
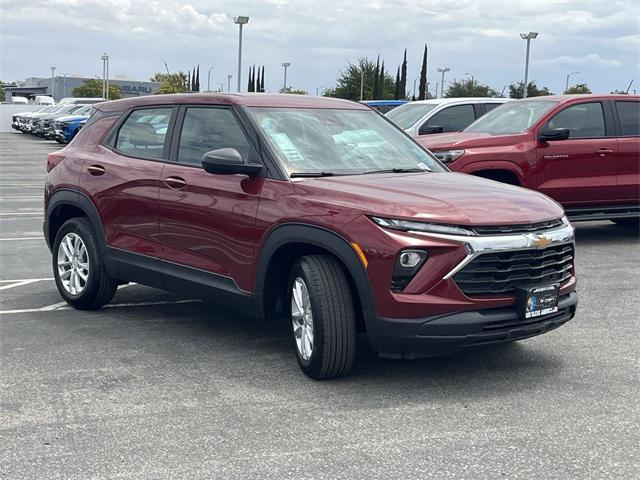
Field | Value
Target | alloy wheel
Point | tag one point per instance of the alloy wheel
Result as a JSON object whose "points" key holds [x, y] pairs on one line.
{"points": [[73, 264], [302, 318]]}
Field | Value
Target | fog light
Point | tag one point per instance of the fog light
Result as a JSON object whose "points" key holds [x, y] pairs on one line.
{"points": [[409, 259], [408, 263]]}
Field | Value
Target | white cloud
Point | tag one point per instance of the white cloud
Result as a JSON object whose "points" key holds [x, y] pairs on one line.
{"points": [[593, 59]]}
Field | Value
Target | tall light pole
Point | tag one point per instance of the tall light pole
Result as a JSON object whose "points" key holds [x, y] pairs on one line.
{"points": [[209, 79], [285, 65], [443, 71], [528, 37], [473, 80], [229, 77], [53, 72], [240, 21], [105, 76], [414, 88], [566, 87]]}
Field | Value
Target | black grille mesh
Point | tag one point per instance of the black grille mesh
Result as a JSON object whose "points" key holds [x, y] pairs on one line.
{"points": [[500, 273]]}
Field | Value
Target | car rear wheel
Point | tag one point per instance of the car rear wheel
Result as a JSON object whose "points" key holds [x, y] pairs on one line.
{"points": [[323, 321], [78, 267]]}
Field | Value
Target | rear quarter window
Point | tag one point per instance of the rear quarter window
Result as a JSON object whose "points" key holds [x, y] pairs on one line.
{"points": [[629, 115]]}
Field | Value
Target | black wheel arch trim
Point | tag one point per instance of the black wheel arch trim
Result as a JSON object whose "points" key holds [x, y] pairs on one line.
{"points": [[75, 198], [317, 236]]}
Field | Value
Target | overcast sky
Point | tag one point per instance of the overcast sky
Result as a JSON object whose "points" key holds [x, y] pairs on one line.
{"points": [[599, 39]]}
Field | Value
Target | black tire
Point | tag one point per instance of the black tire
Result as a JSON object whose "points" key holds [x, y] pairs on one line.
{"points": [[334, 318], [627, 222], [99, 288]]}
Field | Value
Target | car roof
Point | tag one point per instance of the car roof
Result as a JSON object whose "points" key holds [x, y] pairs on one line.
{"points": [[439, 101], [240, 99], [569, 98], [384, 102]]}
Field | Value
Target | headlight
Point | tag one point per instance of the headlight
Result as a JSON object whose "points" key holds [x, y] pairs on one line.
{"points": [[409, 225], [448, 156]]}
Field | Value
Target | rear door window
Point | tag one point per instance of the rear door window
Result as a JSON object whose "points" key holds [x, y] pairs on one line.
{"points": [[144, 132], [629, 115], [208, 128], [453, 119], [584, 120]]}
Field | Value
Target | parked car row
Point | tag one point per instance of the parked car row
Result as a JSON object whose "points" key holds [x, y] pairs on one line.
{"points": [[57, 122]]}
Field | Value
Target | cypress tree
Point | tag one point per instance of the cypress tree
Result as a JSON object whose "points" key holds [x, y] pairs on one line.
{"points": [[198, 79], [193, 79], [262, 80], [250, 81], [381, 87], [376, 80], [403, 77], [258, 81], [397, 90], [423, 76], [188, 81]]}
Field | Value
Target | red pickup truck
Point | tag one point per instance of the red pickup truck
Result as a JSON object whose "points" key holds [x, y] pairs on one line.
{"points": [[581, 150]]}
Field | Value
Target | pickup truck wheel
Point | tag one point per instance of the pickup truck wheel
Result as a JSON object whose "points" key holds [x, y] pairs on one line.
{"points": [[78, 267], [627, 222], [323, 317]]}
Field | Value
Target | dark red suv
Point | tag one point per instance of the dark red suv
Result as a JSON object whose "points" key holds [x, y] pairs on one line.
{"points": [[313, 209], [581, 150]]}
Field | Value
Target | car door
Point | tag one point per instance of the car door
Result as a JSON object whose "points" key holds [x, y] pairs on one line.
{"points": [[450, 119], [207, 221], [123, 179], [581, 170], [628, 113]]}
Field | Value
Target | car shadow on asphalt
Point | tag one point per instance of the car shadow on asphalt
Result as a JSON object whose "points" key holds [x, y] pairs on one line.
{"points": [[487, 371], [588, 233]]}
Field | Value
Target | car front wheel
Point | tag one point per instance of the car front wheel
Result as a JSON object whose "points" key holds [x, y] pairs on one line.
{"points": [[78, 267], [323, 321]]}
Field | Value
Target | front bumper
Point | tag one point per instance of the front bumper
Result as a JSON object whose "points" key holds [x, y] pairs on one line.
{"points": [[443, 334]]}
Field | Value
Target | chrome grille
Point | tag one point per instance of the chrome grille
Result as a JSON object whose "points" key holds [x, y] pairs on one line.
{"points": [[501, 273]]}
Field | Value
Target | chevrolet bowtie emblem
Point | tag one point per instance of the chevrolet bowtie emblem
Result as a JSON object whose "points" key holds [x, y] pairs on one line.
{"points": [[540, 241]]}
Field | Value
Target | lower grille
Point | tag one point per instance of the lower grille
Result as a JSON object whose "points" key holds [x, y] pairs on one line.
{"points": [[501, 273]]}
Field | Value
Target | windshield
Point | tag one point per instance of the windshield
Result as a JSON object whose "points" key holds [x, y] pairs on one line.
{"points": [[512, 117], [406, 116], [334, 141]]}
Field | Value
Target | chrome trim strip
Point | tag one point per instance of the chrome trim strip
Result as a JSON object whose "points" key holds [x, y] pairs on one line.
{"points": [[477, 246]]}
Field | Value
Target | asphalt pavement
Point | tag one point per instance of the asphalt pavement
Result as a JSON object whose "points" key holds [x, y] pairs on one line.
{"points": [[161, 386]]}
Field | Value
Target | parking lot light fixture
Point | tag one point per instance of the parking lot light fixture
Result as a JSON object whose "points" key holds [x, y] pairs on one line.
{"points": [[240, 21], [209, 79], [443, 71], [285, 65], [566, 86], [528, 37], [105, 76], [229, 77]]}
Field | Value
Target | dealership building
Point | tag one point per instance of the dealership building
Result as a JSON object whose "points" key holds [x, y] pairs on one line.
{"points": [[60, 87]]}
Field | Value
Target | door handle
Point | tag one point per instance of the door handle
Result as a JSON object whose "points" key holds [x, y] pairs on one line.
{"points": [[176, 183], [603, 151], [96, 170]]}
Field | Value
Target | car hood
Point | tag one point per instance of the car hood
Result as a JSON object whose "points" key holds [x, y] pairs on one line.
{"points": [[461, 140], [72, 118], [449, 198]]}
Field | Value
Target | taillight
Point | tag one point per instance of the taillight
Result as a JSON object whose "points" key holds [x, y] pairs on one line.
{"points": [[54, 159]]}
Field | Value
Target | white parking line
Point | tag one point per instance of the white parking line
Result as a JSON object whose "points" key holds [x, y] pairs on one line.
{"points": [[20, 239], [21, 282], [23, 197], [114, 305], [21, 214]]}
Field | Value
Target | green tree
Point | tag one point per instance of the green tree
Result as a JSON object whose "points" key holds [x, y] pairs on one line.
{"points": [[292, 90], [1, 94], [92, 88], [515, 90], [579, 88], [403, 77], [171, 83], [423, 93], [470, 88], [348, 84]]}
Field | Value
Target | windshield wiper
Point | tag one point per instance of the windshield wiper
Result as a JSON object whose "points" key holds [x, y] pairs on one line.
{"points": [[311, 174], [399, 170]]}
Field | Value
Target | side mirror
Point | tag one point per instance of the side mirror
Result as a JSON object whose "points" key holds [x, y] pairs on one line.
{"points": [[553, 135], [228, 161], [428, 130]]}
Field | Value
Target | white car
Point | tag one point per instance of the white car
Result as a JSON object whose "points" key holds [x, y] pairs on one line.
{"points": [[441, 115]]}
